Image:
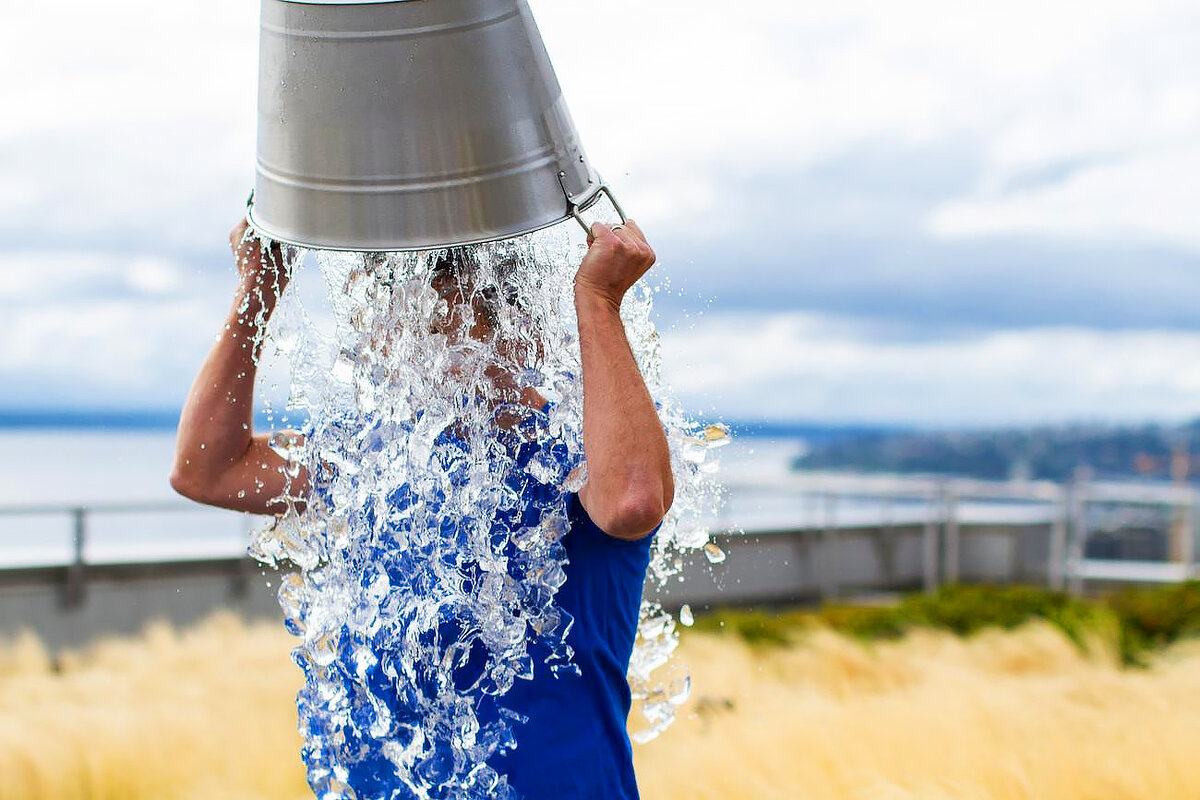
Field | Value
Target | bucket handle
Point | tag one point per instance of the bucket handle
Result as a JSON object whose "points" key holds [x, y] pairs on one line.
{"points": [[578, 204]]}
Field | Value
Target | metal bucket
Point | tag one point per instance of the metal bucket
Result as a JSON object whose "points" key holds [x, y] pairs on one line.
{"points": [[411, 124]]}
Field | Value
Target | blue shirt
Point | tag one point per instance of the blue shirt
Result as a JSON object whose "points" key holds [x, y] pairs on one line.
{"points": [[568, 740], [574, 745]]}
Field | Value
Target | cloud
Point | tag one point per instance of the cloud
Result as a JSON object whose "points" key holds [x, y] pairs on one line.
{"points": [[1149, 197], [33, 277], [827, 263], [131, 130], [831, 369], [943, 178], [777, 88], [93, 330], [112, 353], [96, 329], [141, 125]]}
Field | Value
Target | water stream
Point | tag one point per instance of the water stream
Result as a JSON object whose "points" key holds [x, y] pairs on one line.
{"points": [[441, 402]]}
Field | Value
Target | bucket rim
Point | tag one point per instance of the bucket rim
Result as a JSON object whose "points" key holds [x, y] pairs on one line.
{"points": [[572, 212]]}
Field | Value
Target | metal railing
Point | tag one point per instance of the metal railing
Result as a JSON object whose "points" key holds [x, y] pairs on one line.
{"points": [[79, 516], [939, 511], [942, 501]]}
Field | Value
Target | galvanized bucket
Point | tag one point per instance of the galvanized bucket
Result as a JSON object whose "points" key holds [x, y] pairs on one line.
{"points": [[411, 124]]}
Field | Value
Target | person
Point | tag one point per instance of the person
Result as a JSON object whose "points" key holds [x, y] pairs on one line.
{"points": [[574, 744]]}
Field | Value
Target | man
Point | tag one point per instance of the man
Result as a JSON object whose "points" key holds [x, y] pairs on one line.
{"points": [[574, 745]]}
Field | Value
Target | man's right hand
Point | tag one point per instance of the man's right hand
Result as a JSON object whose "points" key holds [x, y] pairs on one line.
{"points": [[260, 264], [218, 459]]}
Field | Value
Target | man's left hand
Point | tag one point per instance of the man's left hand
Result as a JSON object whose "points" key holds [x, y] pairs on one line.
{"points": [[617, 257]]}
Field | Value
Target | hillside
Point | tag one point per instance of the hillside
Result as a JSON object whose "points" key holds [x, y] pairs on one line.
{"points": [[1050, 453]]}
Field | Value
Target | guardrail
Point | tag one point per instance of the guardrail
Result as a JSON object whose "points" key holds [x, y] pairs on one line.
{"points": [[936, 504], [79, 515], [1068, 504]]}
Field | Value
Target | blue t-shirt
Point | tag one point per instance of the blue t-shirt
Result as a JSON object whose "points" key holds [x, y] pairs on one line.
{"points": [[574, 745]]}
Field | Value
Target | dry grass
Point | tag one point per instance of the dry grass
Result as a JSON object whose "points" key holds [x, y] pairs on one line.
{"points": [[998, 717], [208, 713], [205, 714]]}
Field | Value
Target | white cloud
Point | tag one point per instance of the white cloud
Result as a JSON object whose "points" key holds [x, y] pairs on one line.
{"points": [[143, 121], [802, 366], [126, 124], [32, 277], [674, 90], [153, 276], [102, 329], [134, 128], [95, 330], [123, 353], [1153, 197]]}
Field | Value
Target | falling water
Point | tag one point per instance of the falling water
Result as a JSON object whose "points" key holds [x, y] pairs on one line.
{"points": [[442, 407]]}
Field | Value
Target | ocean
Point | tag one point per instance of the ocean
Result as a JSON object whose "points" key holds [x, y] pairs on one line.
{"points": [[46, 474]]}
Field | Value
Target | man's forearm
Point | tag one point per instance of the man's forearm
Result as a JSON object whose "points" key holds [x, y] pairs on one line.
{"points": [[629, 486], [216, 421], [218, 460]]}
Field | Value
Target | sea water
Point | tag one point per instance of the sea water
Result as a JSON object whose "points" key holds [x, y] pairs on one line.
{"points": [[442, 402]]}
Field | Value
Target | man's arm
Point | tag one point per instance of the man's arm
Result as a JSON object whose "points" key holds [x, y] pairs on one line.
{"points": [[629, 487], [218, 459]]}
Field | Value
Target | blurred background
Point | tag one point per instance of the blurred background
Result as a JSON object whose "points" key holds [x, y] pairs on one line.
{"points": [[935, 263]]}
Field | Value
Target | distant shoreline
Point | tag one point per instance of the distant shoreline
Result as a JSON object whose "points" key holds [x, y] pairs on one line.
{"points": [[166, 420], [123, 420]]}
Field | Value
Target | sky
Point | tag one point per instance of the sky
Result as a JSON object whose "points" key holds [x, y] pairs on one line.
{"points": [[926, 213]]}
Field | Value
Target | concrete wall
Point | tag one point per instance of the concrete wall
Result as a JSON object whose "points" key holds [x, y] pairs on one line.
{"points": [[69, 608], [791, 566], [66, 610]]}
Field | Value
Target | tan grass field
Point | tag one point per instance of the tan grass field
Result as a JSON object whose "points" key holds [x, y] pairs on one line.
{"points": [[207, 713]]}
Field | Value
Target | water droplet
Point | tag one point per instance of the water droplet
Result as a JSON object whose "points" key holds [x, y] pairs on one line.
{"points": [[714, 553], [285, 335], [685, 616], [343, 368], [576, 479], [716, 435], [288, 445]]}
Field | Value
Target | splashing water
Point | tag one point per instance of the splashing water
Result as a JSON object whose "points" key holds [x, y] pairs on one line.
{"points": [[444, 404]]}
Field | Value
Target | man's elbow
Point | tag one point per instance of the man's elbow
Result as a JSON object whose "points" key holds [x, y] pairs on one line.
{"points": [[638, 513], [190, 484]]}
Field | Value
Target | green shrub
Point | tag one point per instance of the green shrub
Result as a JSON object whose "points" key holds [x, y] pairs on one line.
{"points": [[755, 627], [1154, 618], [864, 622], [1138, 621], [965, 610]]}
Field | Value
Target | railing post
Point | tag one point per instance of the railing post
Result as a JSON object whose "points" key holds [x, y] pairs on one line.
{"points": [[953, 537], [830, 558], [1057, 567], [1078, 534], [929, 546], [887, 544], [1189, 538], [75, 588]]}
